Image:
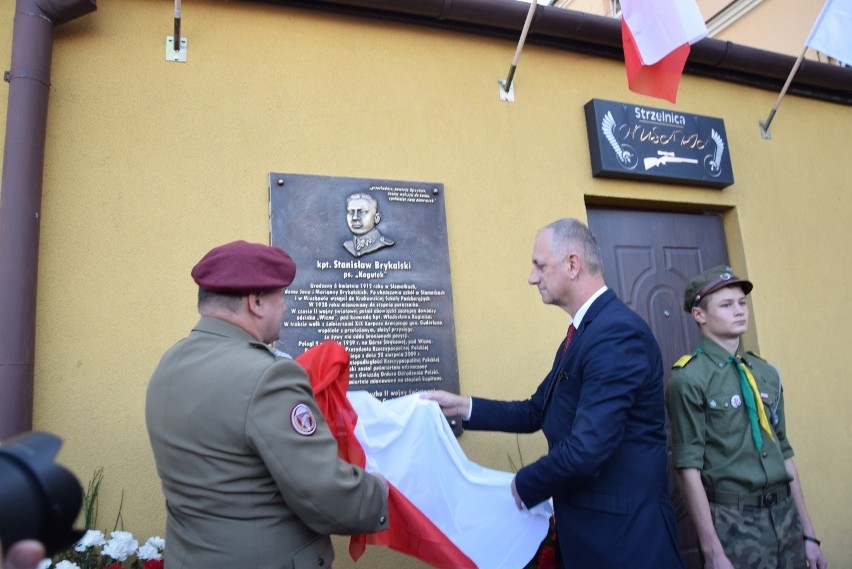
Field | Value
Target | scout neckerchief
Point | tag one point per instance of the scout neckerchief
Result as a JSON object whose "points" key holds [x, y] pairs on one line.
{"points": [[751, 396]]}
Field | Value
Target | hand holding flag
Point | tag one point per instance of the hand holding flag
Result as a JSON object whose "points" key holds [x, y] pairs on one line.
{"points": [[443, 509]]}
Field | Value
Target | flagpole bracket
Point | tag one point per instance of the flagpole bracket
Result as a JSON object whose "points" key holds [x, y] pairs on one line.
{"points": [[178, 55], [764, 130], [506, 95]]}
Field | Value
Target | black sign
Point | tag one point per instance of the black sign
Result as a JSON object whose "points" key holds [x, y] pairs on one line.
{"points": [[645, 143], [373, 274]]}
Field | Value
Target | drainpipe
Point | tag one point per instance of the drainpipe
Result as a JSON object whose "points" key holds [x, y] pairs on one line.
{"points": [[20, 199]]}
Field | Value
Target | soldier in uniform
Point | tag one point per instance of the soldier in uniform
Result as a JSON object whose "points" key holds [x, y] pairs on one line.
{"points": [[733, 461], [249, 467], [362, 217]]}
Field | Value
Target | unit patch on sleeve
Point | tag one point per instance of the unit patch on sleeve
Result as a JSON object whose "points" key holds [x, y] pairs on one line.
{"points": [[303, 420]]}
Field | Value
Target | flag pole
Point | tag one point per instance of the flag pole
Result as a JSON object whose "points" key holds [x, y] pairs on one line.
{"points": [[177, 26], [506, 84], [764, 125]]}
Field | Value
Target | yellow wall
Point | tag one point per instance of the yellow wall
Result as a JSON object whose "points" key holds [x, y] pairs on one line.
{"points": [[150, 163], [781, 26]]}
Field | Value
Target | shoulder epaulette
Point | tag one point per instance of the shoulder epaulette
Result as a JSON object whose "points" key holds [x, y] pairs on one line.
{"points": [[683, 361], [261, 346]]}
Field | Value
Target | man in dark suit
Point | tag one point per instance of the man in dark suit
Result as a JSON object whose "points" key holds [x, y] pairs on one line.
{"points": [[249, 467], [601, 409]]}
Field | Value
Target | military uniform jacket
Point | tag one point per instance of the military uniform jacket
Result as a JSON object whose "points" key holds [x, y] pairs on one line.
{"points": [[249, 468], [709, 421], [367, 243]]}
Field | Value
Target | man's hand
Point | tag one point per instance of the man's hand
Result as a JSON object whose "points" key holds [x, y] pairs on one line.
{"points": [[816, 560], [25, 554], [518, 502], [452, 405]]}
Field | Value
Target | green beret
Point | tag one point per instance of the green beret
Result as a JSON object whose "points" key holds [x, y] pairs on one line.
{"points": [[710, 281]]}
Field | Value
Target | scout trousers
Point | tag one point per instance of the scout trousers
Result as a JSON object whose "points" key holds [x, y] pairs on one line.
{"points": [[761, 537]]}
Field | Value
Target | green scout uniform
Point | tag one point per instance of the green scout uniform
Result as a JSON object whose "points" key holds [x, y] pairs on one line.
{"points": [[710, 427], [753, 513]]}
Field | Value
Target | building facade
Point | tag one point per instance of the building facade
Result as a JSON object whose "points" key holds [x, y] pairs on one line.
{"points": [[150, 162]]}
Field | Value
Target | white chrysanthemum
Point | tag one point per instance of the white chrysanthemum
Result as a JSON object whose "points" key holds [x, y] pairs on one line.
{"points": [[91, 538], [44, 563], [153, 548], [120, 546], [67, 565], [149, 551], [156, 541]]}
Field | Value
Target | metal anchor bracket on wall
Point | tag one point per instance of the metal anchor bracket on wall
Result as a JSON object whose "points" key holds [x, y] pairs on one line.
{"points": [[176, 46], [178, 55], [507, 88]]}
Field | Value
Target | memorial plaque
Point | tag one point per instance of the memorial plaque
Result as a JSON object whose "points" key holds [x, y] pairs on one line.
{"points": [[373, 274]]}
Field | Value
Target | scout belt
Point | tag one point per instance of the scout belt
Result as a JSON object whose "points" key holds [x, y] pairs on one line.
{"points": [[763, 500]]}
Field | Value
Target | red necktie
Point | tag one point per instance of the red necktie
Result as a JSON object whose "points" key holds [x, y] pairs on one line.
{"points": [[568, 337]]}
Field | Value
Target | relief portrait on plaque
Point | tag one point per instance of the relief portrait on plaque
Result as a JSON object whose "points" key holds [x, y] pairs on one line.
{"points": [[362, 217], [373, 274]]}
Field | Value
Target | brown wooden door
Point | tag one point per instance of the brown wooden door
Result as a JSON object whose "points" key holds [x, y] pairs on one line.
{"points": [[648, 257]]}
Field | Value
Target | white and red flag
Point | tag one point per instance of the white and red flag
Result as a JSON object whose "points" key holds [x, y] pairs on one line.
{"points": [[832, 31], [831, 36], [443, 509], [656, 35]]}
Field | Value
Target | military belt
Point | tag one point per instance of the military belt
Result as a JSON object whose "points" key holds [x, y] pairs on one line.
{"points": [[764, 500]]}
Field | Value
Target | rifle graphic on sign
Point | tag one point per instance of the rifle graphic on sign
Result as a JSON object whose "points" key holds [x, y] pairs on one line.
{"points": [[666, 158]]}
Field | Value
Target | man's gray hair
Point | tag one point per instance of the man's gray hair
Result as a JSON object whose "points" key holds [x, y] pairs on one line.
{"points": [[208, 300], [571, 233]]}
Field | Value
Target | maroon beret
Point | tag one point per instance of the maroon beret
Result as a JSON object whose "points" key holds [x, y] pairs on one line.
{"points": [[242, 267]]}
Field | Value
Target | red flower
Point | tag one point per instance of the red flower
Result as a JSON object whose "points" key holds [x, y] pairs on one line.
{"points": [[546, 557], [153, 564], [113, 566]]}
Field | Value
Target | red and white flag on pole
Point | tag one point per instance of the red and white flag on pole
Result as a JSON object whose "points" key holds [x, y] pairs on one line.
{"points": [[443, 509], [831, 36], [656, 35], [832, 32]]}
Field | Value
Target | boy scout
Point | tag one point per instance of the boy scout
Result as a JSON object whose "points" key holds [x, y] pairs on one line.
{"points": [[733, 462]]}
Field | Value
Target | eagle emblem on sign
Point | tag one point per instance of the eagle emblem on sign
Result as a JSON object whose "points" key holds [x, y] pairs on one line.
{"points": [[627, 157]]}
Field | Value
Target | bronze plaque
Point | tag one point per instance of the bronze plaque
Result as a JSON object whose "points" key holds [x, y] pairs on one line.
{"points": [[373, 274]]}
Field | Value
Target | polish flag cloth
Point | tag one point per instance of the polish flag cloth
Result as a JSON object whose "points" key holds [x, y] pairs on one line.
{"points": [[656, 35], [832, 31], [443, 509]]}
